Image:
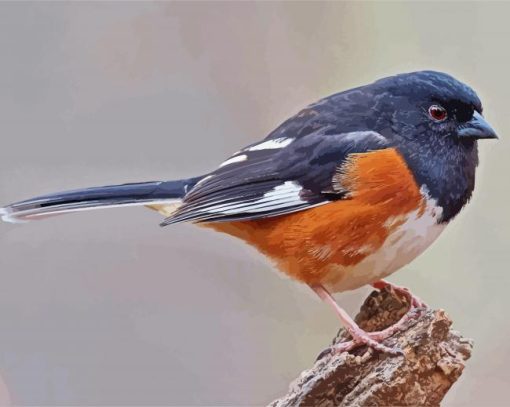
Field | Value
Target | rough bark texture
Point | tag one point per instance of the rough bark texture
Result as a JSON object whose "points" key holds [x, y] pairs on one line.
{"points": [[434, 358]]}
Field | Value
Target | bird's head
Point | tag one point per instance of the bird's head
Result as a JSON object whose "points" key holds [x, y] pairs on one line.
{"points": [[435, 121], [435, 105]]}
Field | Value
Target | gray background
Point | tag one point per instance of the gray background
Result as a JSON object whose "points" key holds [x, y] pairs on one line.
{"points": [[108, 308]]}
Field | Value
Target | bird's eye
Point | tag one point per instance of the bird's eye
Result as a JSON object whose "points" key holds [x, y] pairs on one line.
{"points": [[438, 113]]}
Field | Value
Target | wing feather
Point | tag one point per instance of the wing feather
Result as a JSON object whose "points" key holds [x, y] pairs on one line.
{"points": [[285, 177]]}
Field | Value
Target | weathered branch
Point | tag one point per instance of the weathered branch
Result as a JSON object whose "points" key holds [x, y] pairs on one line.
{"points": [[434, 359]]}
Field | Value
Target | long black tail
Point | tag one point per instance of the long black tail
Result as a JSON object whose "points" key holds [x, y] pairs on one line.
{"points": [[156, 194]]}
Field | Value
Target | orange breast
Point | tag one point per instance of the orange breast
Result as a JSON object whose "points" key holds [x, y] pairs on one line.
{"points": [[305, 244]]}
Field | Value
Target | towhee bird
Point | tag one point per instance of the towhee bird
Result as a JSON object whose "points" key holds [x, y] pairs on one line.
{"points": [[342, 194]]}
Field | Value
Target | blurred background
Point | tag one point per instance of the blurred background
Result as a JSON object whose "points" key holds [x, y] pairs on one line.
{"points": [[108, 308]]}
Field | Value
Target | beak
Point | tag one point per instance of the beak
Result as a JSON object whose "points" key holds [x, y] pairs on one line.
{"points": [[477, 128]]}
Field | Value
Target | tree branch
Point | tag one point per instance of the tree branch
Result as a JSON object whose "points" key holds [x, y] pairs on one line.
{"points": [[434, 359]]}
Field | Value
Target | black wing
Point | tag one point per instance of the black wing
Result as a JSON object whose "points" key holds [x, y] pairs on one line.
{"points": [[275, 177]]}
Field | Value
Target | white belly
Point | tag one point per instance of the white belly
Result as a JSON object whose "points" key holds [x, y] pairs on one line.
{"points": [[404, 244]]}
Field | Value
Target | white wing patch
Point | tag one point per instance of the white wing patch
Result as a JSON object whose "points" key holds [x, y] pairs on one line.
{"points": [[282, 196], [233, 160], [271, 144], [206, 178]]}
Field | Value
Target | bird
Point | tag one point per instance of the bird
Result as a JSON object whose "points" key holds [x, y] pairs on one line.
{"points": [[341, 195]]}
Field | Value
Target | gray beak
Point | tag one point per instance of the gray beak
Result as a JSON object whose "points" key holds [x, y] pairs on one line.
{"points": [[477, 128]]}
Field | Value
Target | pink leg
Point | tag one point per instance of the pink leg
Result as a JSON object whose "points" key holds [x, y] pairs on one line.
{"points": [[359, 336], [414, 304]]}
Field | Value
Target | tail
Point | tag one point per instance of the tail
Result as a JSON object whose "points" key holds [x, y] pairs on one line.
{"points": [[163, 196]]}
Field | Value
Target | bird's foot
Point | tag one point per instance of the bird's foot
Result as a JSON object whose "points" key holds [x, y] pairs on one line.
{"points": [[371, 339], [374, 339]]}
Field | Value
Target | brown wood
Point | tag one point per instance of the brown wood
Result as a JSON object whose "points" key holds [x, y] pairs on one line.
{"points": [[434, 359]]}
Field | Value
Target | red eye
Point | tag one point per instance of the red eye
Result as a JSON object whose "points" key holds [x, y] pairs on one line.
{"points": [[438, 113]]}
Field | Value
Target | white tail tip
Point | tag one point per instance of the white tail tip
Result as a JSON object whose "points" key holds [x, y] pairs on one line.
{"points": [[8, 216]]}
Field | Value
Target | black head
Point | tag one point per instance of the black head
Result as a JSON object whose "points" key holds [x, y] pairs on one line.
{"points": [[433, 101], [435, 121]]}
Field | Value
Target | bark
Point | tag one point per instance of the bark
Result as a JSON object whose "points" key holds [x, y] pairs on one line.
{"points": [[434, 358]]}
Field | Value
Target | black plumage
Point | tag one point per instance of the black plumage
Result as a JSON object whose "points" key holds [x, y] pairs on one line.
{"points": [[392, 112]]}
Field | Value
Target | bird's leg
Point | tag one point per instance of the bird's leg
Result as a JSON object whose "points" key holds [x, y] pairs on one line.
{"points": [[359, 336], [414, 305]]}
